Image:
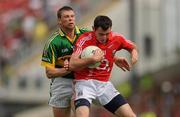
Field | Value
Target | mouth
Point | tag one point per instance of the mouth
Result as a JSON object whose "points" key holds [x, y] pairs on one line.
{"points": [[71, 23], [103, 41]]}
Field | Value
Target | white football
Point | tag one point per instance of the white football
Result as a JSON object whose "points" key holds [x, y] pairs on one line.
{"points": [[89, 51]]}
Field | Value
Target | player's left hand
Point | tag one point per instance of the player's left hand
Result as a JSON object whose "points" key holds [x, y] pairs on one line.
{"points": [[122, 63]]}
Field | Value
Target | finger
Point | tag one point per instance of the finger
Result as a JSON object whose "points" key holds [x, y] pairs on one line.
{"points": [[127, 68], [124, 65], [66, 67], [125, 62], [66, 64], [122, 68], [98, 51]]}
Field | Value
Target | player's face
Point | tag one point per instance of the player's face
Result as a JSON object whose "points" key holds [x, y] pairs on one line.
{"points": [[67, 19], [102, 35]]}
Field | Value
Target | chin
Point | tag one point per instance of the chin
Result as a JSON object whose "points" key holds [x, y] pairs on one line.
{"points": [[103, 41], [71, 27]]}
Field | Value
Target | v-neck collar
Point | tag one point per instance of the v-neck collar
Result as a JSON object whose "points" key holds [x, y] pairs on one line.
{"points": [[76, 31]]}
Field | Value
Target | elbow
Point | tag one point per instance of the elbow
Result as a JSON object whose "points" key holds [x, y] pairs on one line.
{"points": [[49, 75], [135, 48]]}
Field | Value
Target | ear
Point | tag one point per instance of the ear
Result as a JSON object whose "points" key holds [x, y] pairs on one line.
{"points": [[93, 28], [59, 21]]}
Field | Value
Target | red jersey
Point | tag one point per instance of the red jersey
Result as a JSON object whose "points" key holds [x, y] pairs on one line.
{"points": [[115, 42]]}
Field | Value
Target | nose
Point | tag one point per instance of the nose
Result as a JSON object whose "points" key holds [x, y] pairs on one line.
{"points": [[104, 36], [71, 18]]}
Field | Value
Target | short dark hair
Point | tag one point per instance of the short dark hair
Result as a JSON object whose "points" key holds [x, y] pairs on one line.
{"points": [[102, 21], [64, 8]]}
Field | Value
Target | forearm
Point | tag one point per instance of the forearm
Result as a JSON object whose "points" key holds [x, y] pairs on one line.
{"points": [[134, 56], [78, 64], [56, 72]]}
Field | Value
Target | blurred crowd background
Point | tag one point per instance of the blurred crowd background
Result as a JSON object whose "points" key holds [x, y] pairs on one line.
{"points": [[152, 87], [27, 23]]}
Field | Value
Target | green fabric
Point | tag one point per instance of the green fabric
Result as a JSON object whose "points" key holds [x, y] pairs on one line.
{"points": [[58, 48]]}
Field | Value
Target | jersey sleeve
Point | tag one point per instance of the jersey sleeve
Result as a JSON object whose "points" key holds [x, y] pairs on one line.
{"points": [[125, 43], [49, 55]]}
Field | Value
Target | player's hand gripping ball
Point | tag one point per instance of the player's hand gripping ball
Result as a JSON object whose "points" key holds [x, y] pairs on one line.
{"points": [[88, 52]]}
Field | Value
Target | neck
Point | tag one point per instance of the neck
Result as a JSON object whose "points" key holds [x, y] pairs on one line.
{"points": [[69, 32]]}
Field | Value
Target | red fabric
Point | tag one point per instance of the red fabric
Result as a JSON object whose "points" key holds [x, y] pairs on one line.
{"points": [[115, 42]]}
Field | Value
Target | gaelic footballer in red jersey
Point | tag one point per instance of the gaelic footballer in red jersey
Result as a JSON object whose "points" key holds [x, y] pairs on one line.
{"points": [[94, 83], [115, 42]]}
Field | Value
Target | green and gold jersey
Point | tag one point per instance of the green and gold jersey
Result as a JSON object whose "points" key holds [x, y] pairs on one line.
{"points": [[58, 48]]}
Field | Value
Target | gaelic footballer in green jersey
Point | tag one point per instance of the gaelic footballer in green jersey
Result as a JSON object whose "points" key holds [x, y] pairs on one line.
{"points": [[58, 48]]}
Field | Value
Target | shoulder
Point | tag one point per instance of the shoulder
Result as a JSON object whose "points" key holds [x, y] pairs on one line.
{"points": [[122, 39], [85, 37], [118, 35], [80, 31], [84, 30], [53, 39]]}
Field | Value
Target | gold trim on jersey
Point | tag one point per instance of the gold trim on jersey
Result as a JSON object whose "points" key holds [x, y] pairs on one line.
{"points": [[53, 59], [46, 64], [71, 40], [77, 31], [61, 33]]}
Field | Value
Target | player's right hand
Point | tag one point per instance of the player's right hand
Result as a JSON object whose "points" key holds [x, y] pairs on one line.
{"points": [[98, 55]]}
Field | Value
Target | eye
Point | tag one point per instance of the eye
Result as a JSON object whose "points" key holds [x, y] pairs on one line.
{"points": [[66, 16], [72, 16], [101, 34]]}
